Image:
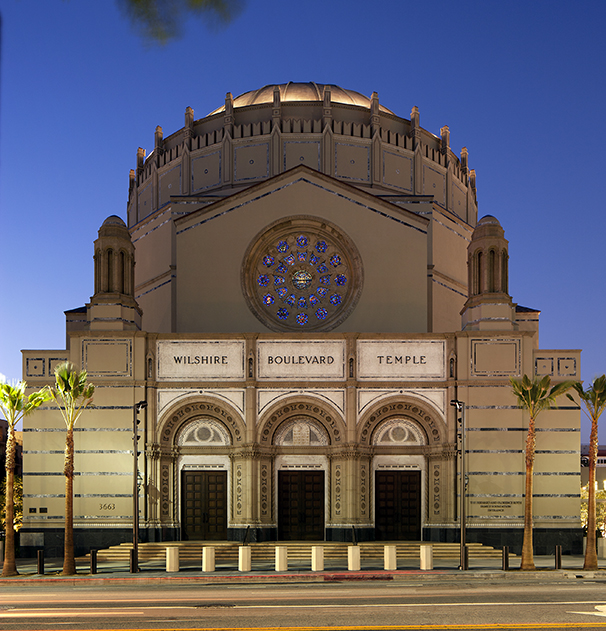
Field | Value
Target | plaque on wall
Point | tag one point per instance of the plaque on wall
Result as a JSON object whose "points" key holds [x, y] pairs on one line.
{"points": [[401, 360], [301, 359], [200, 360]]}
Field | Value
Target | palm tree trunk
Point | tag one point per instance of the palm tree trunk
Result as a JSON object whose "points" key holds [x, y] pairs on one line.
{"points": [[10, 566], [69, 562], [591, 557], [527, 562]]}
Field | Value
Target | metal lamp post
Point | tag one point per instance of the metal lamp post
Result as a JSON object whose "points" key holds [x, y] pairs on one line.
{"points": [[460, 407], [134, 561]]}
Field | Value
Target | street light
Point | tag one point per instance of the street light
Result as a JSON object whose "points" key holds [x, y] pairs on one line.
{"points": [[134, 559], [460, 406]]}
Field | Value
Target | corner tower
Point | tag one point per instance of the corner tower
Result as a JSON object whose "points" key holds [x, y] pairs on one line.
{"points": [[489, 306], [113, 306]]}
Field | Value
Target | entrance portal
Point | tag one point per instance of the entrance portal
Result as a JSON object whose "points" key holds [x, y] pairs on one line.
{"points": [[398, 505], [301, 505], [204, 505]]}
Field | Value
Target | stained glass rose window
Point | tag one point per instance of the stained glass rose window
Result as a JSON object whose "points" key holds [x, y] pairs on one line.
{"points": [[302, 274]]}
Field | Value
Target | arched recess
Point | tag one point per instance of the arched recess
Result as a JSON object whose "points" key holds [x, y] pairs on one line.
{"points": [[301, 406], [302, 431], [427, 417], [193, 407], [195, 437]]}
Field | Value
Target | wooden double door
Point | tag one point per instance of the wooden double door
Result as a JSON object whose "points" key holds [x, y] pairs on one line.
{"points": [[398, 505], [204, 505], [301, 505]]}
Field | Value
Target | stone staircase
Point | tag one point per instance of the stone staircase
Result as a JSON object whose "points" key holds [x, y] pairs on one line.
{"points": [[299, 552]]}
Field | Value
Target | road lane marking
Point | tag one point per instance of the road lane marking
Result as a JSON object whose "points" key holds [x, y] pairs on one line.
{"points": [[601, 611], [371, 627]]}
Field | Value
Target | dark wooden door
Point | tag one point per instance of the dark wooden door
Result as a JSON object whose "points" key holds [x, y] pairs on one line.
{"points": [[301, 505], [398, 505], [204, 505]]}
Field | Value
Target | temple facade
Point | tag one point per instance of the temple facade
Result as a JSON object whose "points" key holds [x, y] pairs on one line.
{"points": [[299, 291]]}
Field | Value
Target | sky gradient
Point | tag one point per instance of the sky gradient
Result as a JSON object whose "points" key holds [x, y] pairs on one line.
{"points": [[521, 84]]}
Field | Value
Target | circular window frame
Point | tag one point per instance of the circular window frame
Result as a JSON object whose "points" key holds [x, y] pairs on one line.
{"points": [[317, 230]]}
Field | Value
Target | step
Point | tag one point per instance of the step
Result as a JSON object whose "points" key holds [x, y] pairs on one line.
{"points": [[297, 551]]}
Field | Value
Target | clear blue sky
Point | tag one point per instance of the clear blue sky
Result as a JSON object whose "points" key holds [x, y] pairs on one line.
{"points": [[521, 84]]}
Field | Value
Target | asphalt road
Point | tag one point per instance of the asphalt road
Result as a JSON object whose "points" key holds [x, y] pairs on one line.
{"points": [[458, 603]]}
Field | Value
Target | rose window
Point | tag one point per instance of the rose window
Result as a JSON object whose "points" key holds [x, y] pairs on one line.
{"points": [[303, 277]]}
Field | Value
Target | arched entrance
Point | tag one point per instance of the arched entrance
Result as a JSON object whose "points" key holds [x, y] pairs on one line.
{"points": [[197, 439], [398, 480], [401, 435], [301, 480], [204, 489]]}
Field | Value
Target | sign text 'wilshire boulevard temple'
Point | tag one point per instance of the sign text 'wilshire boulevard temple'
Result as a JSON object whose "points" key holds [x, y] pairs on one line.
{"points": [[300, 289]]}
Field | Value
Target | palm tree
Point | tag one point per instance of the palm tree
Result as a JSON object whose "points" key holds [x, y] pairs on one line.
{"points": [[594, 403], [14, 405], [535, 396], [73, 395]]}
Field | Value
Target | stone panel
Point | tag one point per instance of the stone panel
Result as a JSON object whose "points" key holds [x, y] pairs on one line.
{"points": [[251, 162], [206, 171], [352, 162], [301, 152], [397, 171], [170, 184]]}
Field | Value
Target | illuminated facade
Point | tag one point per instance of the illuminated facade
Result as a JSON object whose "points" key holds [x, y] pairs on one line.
{"points": [[311, 290]]}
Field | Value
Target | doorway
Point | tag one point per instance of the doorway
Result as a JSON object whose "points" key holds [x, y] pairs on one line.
{"points": [[301, 505], [204, 505], [398, 505]]}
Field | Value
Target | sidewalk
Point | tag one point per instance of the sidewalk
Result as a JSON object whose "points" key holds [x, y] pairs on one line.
{"points": [[443, 570]]}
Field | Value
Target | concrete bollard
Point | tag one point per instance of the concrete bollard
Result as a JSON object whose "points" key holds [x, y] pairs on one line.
{"points": [[208, 559], [244, 558], [353, 558], [427, 557], [389, 558], [281, 558], [172, 559], [317, 558]]}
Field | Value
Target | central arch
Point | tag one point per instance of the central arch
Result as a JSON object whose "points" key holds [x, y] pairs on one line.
{"points": [[302, 433]]}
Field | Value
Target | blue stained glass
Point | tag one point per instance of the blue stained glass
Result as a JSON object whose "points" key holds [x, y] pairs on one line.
{"points": [[290, 259], [282, 269], [302, 241], [278, 280], [282, 314], [322, 268], [268, 261], [340, 279], [290, 301], [325, 280], [335, 260], [322, 291], [313, 259], [302, 303], [301, 279], [321, 246], [313, 300], [282, 246], [263, 280], [321, 313], [302, 256], [281, 291], [302, 318], [268, 299], [335, 299]]}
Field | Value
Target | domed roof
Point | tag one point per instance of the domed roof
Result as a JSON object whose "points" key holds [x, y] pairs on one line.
{"points": [[488, 220], [114, 220], [301, 92]]}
